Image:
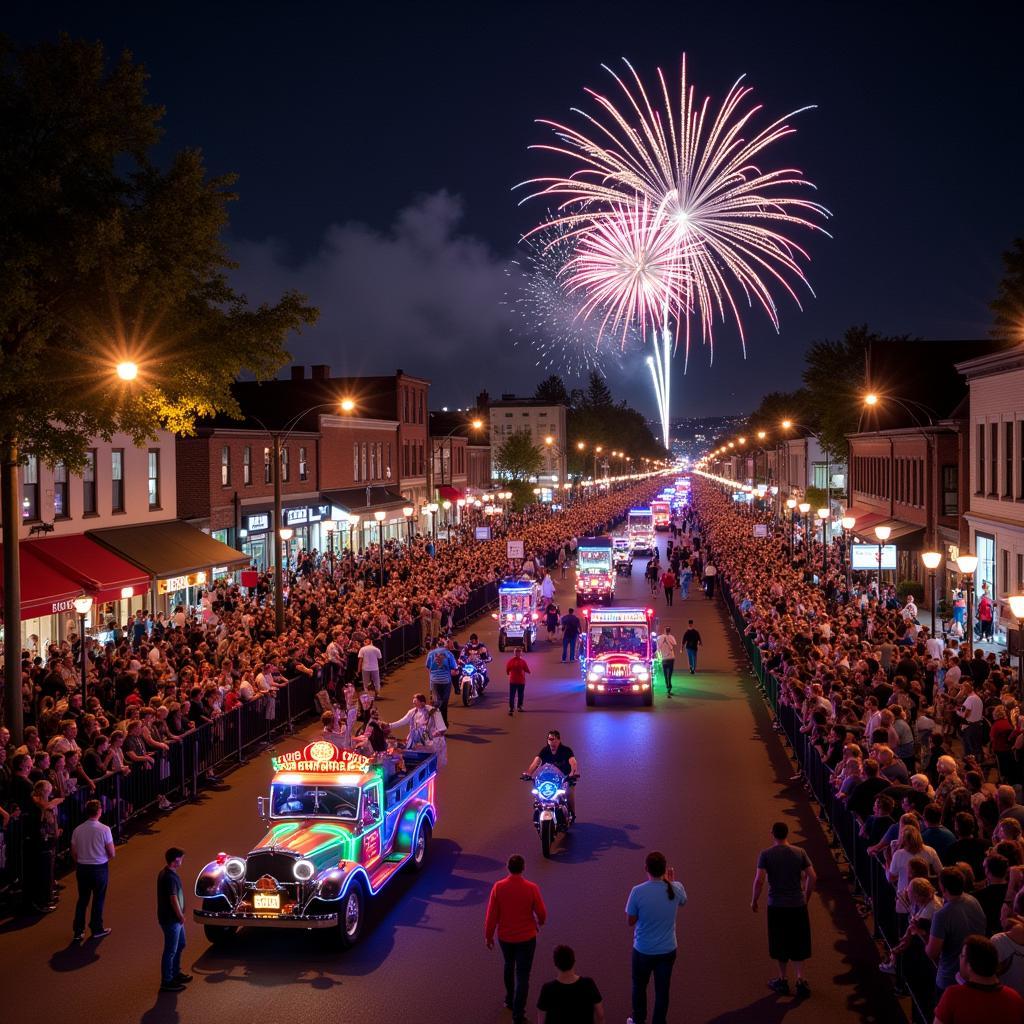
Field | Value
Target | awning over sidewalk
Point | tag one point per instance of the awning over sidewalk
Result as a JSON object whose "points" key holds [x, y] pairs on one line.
{"points": [[867, 520], [171, 548], [451, 493], [103, 575], [44, 589], [360, 500], [899, 530]]}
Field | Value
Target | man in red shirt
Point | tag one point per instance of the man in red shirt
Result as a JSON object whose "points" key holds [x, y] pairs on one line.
{"points": [[981, 999], [516, 911], [517, 670]]}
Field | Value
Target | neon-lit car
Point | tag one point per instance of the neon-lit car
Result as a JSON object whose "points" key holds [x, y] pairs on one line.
{"points": [[595, 576], [618, 654], [640, 530], [661, 514], [518, 613], [340, 828], [622, 555]]}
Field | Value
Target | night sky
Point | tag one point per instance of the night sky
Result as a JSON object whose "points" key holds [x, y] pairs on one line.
{"points": [[377, 145]]}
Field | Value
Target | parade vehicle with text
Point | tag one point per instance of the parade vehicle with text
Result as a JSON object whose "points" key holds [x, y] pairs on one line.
{"points": [[518, 613], [340, 828], [622, 555], [618, 654], [661, 514], [595, 575], [640, 530]]}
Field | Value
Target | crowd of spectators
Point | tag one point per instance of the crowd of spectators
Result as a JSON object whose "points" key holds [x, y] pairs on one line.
{"points": [[922, 736]]}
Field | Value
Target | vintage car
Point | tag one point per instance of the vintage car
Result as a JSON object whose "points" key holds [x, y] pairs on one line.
{"points": [[595, 576], [519, 610], [341, 827], [618, 654], [640, 530], [622, 555]]}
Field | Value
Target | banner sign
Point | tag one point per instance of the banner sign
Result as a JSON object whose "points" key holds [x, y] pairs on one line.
{"points": [[865, 556]]}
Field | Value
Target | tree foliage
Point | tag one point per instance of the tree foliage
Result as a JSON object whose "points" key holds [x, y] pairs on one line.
{"points": [[1008, 305], [775, 407], [599, 395], [106, 256], [519, 457], [552, 390]]}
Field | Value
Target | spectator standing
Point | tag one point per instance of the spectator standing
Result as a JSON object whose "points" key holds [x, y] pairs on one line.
{"points": [[515, 912], [41, 834], [651, 912], [440, 665], [170, 913], [668, 584], [960, 915], [667, 653], [691, 641], [368, 666], [1010, 948], [569, 999], [981, 997], [92, 849], [571, 626], [517, 669], [790, 877]]}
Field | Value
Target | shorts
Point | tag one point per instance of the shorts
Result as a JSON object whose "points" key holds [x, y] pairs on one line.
{"points": [[789, 933]]}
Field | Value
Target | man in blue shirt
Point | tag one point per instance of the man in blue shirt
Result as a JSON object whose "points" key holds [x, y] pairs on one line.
{"points": [[651, 911], [441, 664]]}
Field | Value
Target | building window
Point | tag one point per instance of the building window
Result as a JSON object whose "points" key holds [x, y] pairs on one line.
{"points": [[993, 458], [387, 464], [117, 480], [1020, 460], [981, 459], [247, 466], [1020, 572], [373, 462], [153, 477], [60, 492], [1006, 570], [267, 466], [225, 466], [950, 490], [405, 405], [380, 460], [30, 490], [355, 462], [1008, 463], [303, 465], [284, 465], [89, 484]]}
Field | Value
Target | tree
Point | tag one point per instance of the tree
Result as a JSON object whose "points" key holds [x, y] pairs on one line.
{"points": [[775, 407], [107, 257], [1008, 305], [519, 457], [552, 390], [599, 395]]}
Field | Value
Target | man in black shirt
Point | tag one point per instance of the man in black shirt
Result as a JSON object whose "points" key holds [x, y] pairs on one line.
{"points": [[571, 626], [170, 913], [569, 998], [691, 641], [563, 758]]}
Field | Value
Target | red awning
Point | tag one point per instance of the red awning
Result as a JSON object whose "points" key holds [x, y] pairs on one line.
{"points": [[104, 576], [867, 520], [44, 590], [451, 493]]}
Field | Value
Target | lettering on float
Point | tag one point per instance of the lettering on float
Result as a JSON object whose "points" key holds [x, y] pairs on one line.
{"points": [[320, 756]]}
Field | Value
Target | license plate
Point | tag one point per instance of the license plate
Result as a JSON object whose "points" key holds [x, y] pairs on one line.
{"points": [[266, 901]]}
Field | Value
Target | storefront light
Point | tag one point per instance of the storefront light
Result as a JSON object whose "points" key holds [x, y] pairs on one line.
{"points": [[83, 604], [127, 592]]}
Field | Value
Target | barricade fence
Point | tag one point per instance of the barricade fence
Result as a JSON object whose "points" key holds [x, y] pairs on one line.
{"points": [[867, 872]]}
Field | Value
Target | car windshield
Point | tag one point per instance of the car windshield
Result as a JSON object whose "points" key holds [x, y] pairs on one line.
{"points": [[518, 601], [593, 560], [618, 639], [314, 801]]}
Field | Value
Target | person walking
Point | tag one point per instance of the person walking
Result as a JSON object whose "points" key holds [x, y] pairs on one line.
{"points": [[668, 584], [569, 999], [368, 666], [667, 653], [790, 876], [440, 665], [691, 641], [170, 913], [516, 913], [571, 627], [651, 912], [710, 575], [517, 669], [92, 850]]}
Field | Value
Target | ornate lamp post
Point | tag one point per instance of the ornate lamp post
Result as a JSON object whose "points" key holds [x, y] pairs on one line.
{"points": [[286, 533], [431, 507], [931, 561], [379, 515], [83, 605], [823, 515], [968, 565], [881, 535], [408, 512], [804, 508], [1016, 603], [791, 505], [353, 540], [848, 523], [330, 528]]}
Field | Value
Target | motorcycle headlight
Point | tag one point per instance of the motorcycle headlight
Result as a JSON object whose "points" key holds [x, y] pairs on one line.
{"points": [[547, 790], [304, 870], [234, 868]]}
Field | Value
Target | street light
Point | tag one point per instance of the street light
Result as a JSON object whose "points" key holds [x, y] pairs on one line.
{"points": [[968, 564], [804, 508], [330, 528], [931, 561], [431, 507], [848, 523], [791, 505], [408, 512], [379, 515], [286, 533], [127, 370], [347, 405], [882, 535], [83, 605], [353, 522], [1016, 603], [823, 514]]}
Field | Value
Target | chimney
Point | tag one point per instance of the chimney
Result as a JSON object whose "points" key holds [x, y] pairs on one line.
{"points": [[320, 371], [483, 400], [298, 372]]}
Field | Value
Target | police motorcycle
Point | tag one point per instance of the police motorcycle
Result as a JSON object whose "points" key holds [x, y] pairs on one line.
{"points": [[551, 814], [472, 677]]}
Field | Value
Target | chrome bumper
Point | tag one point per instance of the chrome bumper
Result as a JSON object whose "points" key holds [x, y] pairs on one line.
{"points": [[230, 920]]}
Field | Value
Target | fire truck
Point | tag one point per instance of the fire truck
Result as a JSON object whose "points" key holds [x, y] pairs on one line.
{"points": [[595, 575], [618, 654]]}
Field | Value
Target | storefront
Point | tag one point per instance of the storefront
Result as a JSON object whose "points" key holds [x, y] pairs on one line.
{"points": [[355, 511]]}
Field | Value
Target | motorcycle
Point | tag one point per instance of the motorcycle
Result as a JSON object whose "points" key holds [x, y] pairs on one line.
{"points": [[551, 814], [470, 682]]}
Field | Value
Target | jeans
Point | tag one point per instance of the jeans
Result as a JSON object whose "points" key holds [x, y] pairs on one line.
{"points": [[668, 666], [442, 694], [973, 736], [92, 884], [174, 944], [691, 657], [644, 965], [569, 644], [518, 961], [516, 692], [668, 594]]}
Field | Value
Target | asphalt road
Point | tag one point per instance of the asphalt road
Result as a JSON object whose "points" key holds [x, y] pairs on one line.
{"points": [[701, 777]]}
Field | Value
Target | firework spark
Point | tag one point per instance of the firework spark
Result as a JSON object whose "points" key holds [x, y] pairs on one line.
{"points": [[703, 170]]}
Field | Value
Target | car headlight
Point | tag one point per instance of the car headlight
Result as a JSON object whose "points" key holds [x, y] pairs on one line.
{"points": [[599, 668], [304, 870], [234, 868]]}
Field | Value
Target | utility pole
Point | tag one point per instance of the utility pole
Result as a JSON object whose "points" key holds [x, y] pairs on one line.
{"points": [[13, 716]]}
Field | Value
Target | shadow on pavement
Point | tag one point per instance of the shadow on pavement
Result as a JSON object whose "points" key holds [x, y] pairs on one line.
{"points": [[588, 840], [768, 1010], [75, 955]]}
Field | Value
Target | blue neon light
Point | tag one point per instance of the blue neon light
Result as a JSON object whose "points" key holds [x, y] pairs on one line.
{"points": [[547, 790]]}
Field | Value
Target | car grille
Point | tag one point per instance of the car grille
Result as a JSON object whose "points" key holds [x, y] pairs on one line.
{"points": [[277, 865]]}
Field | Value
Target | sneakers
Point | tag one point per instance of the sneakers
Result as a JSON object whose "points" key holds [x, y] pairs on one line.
{"points": [[183, 978], [803, 990], [780, 986], [510, 712], [888, 967], [163, 803], [172, 986], [102, 933], [78, 936], [669, 694]]}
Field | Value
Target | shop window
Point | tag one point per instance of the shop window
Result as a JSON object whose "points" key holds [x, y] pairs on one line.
{"points": [[950, 490], [247, 466], [30, 490], [153, 477], [60, 491], [303, 465], [267, 466], [117, 480], [89, 484], [225, 466]]}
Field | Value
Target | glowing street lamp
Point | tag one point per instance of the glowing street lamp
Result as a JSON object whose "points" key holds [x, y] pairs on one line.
{"points": [[347, 405], [1016, 603], [931, 561], [83, 605], [968, 565], [823, 515], [127, 370]]}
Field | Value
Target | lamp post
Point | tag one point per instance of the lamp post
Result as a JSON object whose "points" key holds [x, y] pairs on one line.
{"points": [[1016, 603], [968, 564], [286, 533], [379, 516], [83, 605], [931, 561], [804, 508], [447, 506], [353, 522], [330, 528], [881, 535], [823, 515], [848, 523], [431, 507], [408, 512], [791, 505]]}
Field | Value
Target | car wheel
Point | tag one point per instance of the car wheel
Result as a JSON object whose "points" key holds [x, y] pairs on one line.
{"points": [[351, 915], [420, 846]]}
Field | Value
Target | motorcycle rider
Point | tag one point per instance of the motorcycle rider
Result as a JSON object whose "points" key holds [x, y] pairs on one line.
{"points": [[478, 655], [562, 757]]}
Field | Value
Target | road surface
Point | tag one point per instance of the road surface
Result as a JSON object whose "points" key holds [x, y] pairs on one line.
{"points": [[701, 777]]}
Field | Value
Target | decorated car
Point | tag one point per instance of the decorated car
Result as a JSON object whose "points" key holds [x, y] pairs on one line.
{"points": [[622, 555], [340, 828], [595, 576], [518, 612], [618, 654], [640, 530]]}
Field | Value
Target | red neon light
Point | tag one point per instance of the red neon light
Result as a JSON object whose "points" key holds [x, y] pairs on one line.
{"points": [[649, 611]]}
